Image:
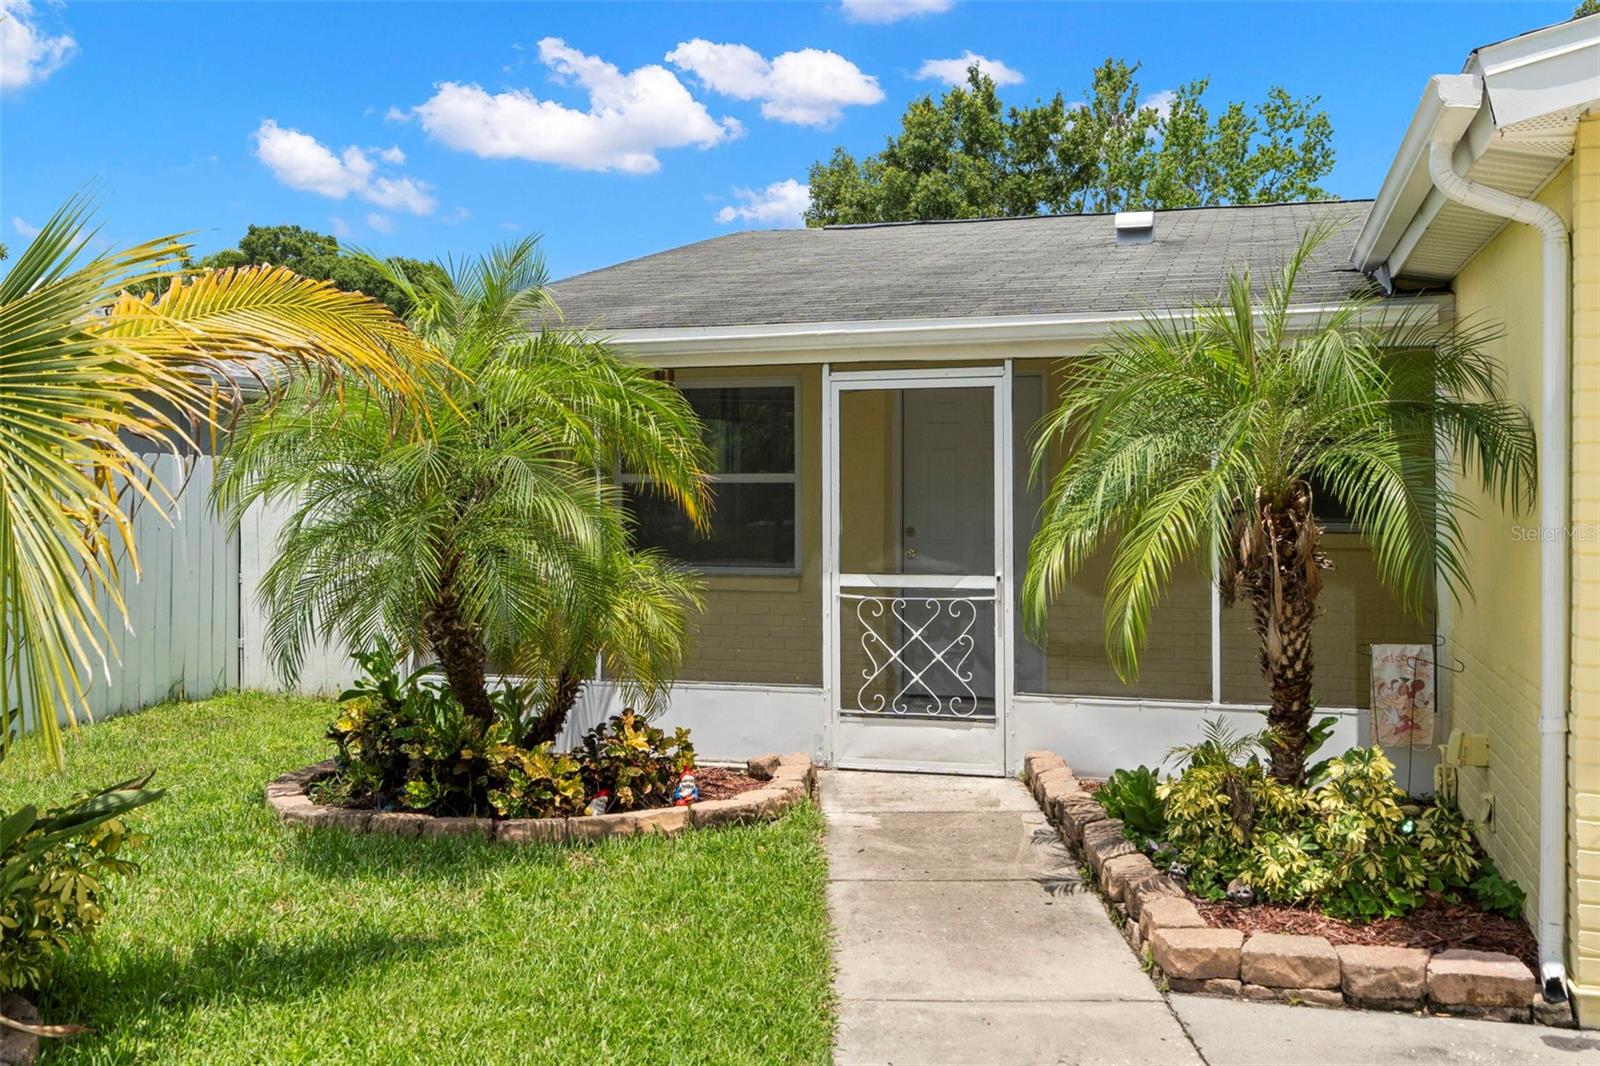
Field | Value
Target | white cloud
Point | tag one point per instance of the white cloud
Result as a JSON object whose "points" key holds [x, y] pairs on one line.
{"points": [[954, 71], [28, 55], [892, 10], [1161, 101], [302, 162], [341, 228], [401, 194], [392, 154], [381, 223], [630, 117], [394, 114], [783, 203], [22, 227], [808, 88]]}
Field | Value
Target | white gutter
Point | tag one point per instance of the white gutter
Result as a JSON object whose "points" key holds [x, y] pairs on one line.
{"points": [[1460, 97], [859, 337]]}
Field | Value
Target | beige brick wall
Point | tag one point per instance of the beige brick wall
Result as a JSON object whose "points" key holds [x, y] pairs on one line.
{"points": [[1495, 631], [1584, 747], [748, 634]]}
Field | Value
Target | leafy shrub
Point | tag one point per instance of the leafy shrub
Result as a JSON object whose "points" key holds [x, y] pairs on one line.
{"points": [[1344, 844], [53, 872], [639, 763], [1131, 796], [1216, 809], [405, 742], [1497, 893]]}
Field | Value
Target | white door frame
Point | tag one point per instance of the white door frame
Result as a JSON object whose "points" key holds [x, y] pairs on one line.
{"points": [[988, 744]]}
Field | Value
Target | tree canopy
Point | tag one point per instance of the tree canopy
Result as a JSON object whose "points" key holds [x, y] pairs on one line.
{"points": [[318, 255], [967, 155]]}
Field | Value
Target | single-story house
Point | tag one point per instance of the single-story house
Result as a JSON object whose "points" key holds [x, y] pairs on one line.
{"points": [[870, 390], [870, 393]]}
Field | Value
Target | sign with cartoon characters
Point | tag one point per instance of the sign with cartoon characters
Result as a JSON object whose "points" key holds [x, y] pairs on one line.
{"points": [[1402, 695]]}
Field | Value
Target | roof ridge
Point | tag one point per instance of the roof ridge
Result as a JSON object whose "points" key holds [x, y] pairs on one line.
{"points": [[1083, 214]]}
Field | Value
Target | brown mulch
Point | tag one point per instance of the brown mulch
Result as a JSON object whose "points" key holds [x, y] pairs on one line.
{"points": [[723, 782], [715, 783], [1437, 926]]}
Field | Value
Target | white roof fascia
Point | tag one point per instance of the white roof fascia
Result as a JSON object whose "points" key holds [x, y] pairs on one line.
{"points": [[1548, 71], [1407, 191], [943, 338], [1469, 149]]}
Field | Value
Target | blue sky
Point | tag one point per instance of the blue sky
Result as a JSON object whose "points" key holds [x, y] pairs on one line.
{"points": [[425, 129]]}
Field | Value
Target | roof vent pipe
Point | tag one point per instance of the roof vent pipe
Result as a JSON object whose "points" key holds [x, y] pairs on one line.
{"points": [[1460, 98], [1134, 227]]}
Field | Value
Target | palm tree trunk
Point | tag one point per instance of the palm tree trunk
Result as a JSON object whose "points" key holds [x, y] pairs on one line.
{"points": [[458, 644], [547, 727], [1283, 575], [1286, 663]]}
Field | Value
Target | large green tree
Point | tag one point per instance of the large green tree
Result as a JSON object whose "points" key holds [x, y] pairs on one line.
{"points": [[311, 255], [1210, 432], [967, 155], [490, 542]]}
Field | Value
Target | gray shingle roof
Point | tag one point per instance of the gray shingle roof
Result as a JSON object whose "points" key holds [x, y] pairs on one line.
{"points": [[1060, 264]]}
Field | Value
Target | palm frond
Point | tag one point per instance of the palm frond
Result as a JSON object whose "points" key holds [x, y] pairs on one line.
{"points": [[92, 377]]}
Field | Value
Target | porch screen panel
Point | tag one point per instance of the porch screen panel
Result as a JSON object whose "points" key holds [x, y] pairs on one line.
{"points": [[1175, 663], [762, 617], [1071, 658], [1356, 611]]}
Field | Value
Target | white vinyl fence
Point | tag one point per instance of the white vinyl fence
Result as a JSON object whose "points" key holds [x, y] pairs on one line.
{"points": [[327, 670], [181, 639]]}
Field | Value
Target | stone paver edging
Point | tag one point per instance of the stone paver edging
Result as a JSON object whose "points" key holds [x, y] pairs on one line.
{"points": [[1271, 966], [789, 779]]}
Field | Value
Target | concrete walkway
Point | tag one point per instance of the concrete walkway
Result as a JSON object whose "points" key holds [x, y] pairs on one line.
{"points": [[963, 935]]}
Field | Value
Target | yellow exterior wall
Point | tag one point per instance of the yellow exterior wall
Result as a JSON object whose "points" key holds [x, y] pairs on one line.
{"points": [[1496, 631], [1584, 747]]}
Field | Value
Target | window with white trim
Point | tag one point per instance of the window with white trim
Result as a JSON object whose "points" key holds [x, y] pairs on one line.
{"points": [[751, 431]]}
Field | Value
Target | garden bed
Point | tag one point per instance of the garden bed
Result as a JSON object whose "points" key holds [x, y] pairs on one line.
{"points": [[769, 786], [1433, 958], [1436, 927]]}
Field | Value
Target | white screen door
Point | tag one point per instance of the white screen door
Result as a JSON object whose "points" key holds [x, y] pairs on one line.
{"points": [[916, 530]]}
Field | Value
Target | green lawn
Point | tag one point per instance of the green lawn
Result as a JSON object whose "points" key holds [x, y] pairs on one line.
{"points": [[244, 941]]}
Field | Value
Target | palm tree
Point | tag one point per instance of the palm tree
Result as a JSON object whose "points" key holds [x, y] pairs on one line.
{"points": [[623, 605], [492, 543], [1213, 432], [90, 378]]}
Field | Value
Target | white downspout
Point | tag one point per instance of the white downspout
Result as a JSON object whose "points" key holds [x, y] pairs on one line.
{"points": [[1461, 96]]}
